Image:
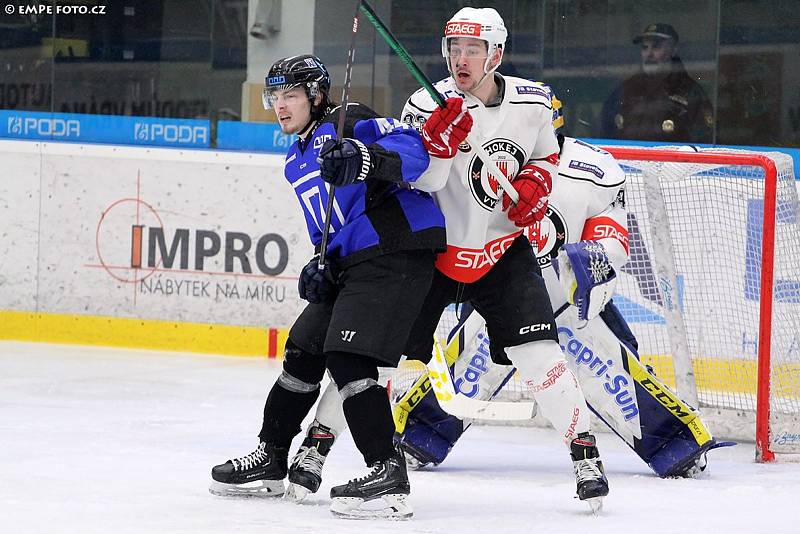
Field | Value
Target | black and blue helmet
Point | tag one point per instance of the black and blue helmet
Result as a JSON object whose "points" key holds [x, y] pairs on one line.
{"points": [[305, 71]]}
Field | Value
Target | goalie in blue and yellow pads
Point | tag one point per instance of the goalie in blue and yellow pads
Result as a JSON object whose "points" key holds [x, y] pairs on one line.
{"points": [[582, 244]]}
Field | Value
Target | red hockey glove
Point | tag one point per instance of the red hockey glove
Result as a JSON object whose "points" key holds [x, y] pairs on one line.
{"points": [[446, 128], [533, 185]]}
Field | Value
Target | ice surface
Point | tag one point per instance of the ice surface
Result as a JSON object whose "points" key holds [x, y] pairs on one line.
{"points": [[117, 441]]}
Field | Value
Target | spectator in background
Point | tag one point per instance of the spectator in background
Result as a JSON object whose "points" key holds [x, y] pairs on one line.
{"points": [[662, 102]]}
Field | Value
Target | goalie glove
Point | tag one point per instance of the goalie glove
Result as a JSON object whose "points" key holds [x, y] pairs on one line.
{"points": [[587, 276]]}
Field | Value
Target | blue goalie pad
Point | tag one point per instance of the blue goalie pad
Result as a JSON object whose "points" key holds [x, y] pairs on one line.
{"points": [[679, 457], [430, 432]]}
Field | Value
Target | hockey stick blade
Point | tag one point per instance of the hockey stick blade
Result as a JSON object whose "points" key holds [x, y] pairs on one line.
{"points": [[464, 407]]}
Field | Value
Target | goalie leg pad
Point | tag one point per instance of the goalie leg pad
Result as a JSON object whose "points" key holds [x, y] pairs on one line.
{"points": [[430, 432], [678, 456], [614, 320], [664, 431]]}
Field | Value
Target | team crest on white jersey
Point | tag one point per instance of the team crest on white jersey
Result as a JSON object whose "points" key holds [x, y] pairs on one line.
{"points": [[508, 156], [548, 236]]}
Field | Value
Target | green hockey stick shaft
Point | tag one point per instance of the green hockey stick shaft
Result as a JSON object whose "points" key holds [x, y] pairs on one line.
{"points": [[420, 76]]}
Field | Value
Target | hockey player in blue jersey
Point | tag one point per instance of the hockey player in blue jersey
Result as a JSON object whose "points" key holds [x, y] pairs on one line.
{"points": [[384, 238]]}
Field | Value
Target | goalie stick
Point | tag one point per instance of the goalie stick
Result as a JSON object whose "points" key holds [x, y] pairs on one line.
{"points": [[420, 76], [462, 406]]}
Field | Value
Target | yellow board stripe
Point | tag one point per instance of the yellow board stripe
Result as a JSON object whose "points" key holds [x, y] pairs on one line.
{"points": [[728, 375], [143, 334]]}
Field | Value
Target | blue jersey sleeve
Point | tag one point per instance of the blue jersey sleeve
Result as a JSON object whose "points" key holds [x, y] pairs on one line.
{"points": [[396, 149]]}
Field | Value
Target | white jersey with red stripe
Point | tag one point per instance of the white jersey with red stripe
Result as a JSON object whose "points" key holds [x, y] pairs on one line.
{"points": [[587, 202], [514, 131]]}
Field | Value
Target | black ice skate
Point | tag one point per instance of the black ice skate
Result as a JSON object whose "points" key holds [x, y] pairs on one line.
{"points": [[383, 493], [592, 482], [305, 472], [258, 474]]}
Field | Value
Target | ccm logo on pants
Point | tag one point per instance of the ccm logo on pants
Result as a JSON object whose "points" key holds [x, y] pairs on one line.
{"points": [[534, 328]]}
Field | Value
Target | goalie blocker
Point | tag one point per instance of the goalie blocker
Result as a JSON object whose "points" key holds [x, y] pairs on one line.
{"points": [[665, 432]]}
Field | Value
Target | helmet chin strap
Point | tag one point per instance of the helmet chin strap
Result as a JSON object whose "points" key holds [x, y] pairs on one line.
{"points": [[307, 128], [486, 70], [314, 117]]}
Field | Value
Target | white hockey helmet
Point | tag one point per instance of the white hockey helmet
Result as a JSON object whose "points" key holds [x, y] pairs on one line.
{"points": [[479, 23]]}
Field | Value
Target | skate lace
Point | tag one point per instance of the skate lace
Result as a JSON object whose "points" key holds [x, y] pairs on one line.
{"points": [[251, 460], [375, 470], [309, 460], [587, 470]]}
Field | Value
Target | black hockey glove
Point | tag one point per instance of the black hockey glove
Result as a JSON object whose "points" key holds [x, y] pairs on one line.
{"points": [[344, 162], [316, 286]]}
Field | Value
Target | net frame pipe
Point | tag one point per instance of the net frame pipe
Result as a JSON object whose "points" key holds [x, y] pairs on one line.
{"points": [[764, 452]]}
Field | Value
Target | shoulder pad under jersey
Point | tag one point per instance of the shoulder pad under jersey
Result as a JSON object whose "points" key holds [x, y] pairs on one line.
{"points": [[585, 162], [521, 90]]}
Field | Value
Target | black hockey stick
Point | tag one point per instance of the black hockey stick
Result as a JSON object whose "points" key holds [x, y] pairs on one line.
{"points": [[326, 230], [426, 83]]}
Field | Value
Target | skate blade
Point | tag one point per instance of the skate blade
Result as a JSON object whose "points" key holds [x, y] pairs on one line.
{"points": [[393, 506], [595, 505], [296, 493], [257, 488]]}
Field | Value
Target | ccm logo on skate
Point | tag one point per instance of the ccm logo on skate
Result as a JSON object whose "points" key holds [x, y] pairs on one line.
{"points": [[347, 335], [534, 328], [469, 384]]}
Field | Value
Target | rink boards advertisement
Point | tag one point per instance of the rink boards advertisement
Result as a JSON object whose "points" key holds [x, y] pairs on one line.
{"points": [[137, 243], [200, 250]]}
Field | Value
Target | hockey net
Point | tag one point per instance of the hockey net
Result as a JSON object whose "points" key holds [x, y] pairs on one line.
{"points": [[712, 288]]}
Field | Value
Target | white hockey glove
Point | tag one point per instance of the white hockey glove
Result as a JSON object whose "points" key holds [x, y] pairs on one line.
{"points": [[587, 276]]}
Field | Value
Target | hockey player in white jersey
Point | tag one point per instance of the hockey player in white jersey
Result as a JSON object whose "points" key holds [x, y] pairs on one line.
{"points": [[489, 262], [584, 235]]}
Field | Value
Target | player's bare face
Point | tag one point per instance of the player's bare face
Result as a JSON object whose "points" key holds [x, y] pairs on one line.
{"points": [[292, 108], [467, 57]]}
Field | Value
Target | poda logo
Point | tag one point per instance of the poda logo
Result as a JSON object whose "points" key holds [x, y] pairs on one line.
{"points": [[18, 125], [509, 158], [170, 133], [548, 236]]}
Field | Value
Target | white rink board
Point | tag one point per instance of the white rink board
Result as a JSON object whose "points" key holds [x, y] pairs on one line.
{"points": [[19, 225], [67, 213], [92, 197]]}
